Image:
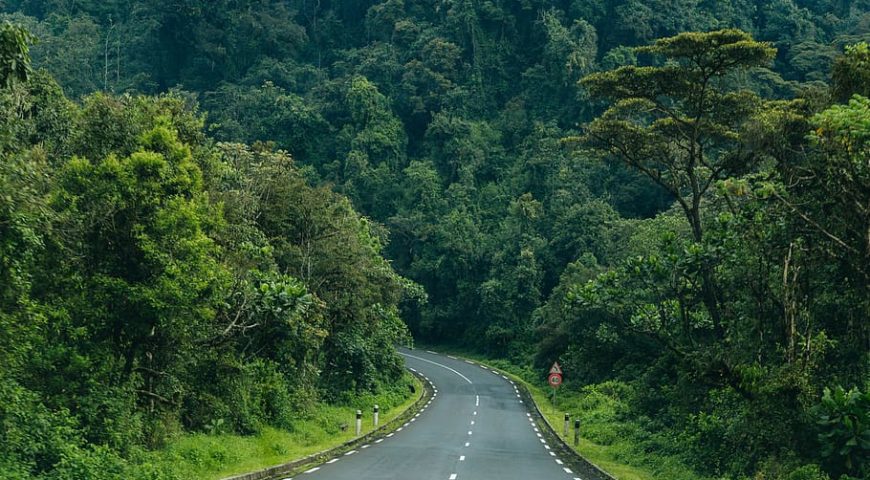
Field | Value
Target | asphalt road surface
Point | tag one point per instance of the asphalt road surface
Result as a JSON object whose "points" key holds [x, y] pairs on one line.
{"points": [[475, 428]]}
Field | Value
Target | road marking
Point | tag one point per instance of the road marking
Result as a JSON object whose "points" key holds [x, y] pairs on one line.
{"points": [[476, 400], [452, 476], [469, 362], [469, 432], [438, 364], [430, 351], [451, 356], [365, 446], [379, 440], [400, 429], [475, 412], [467, 444], [312, 470], [559, 462], [567, 470], [472, 422], [390, 435], [350, 453], [462, 458], [552, 454], [332, 461]]}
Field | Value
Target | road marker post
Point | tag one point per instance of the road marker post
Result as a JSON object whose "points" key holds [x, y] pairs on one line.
{"points": [[376, 416], [358, 422], [576, 432], [567, 422]]}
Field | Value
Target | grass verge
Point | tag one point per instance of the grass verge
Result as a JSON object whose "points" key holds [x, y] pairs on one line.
{"points": [[212, 457], [606, 439]]}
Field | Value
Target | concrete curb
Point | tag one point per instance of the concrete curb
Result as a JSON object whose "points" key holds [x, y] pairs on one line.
{"points": [[290, 468], [578, 462]]}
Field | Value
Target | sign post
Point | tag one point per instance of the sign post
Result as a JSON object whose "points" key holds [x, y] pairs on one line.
{"points": [[555, 379]]}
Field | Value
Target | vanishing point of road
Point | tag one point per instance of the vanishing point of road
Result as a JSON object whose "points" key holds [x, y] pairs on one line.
{"points": [[476, 427]]}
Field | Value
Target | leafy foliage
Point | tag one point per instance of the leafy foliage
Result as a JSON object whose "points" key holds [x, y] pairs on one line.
{"points": [[704, 244]]}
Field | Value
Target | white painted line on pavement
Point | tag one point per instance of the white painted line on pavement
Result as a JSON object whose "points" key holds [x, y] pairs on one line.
{"points": [[452, 476], [350, 453], [462, 458], [332, 461], [440, 365], [312, 470]]}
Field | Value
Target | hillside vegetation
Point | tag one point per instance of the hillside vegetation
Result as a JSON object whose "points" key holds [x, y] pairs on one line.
{"points": [[229, 210]]}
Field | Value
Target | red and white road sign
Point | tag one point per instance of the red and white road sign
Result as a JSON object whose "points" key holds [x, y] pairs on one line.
{"points": [[556, 368], [555, 379]]}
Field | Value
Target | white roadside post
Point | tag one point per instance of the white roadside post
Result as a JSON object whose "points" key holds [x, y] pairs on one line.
{"points": [[567, 422], [358, 422], [376, 416]]}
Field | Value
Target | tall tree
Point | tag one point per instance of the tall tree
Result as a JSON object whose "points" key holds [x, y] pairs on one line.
{"points": [[678, 123]]}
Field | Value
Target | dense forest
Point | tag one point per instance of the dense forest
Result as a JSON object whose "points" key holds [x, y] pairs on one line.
{"points": [[230, 209]]}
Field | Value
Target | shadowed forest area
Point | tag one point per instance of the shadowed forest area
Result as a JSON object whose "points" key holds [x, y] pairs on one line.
{"points": [[217, 215]]}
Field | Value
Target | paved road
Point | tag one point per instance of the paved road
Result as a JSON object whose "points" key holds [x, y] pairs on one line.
{"points": [[475, 428]]}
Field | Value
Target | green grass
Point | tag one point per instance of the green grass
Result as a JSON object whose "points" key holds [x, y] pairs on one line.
{"points": [[211, 457], [605, 439]]}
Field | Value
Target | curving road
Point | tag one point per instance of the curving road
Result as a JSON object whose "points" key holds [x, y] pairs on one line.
{"points": [[476, 428]]}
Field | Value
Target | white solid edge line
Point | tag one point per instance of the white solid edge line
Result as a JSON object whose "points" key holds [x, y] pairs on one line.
{"points": [[440, 365]]}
